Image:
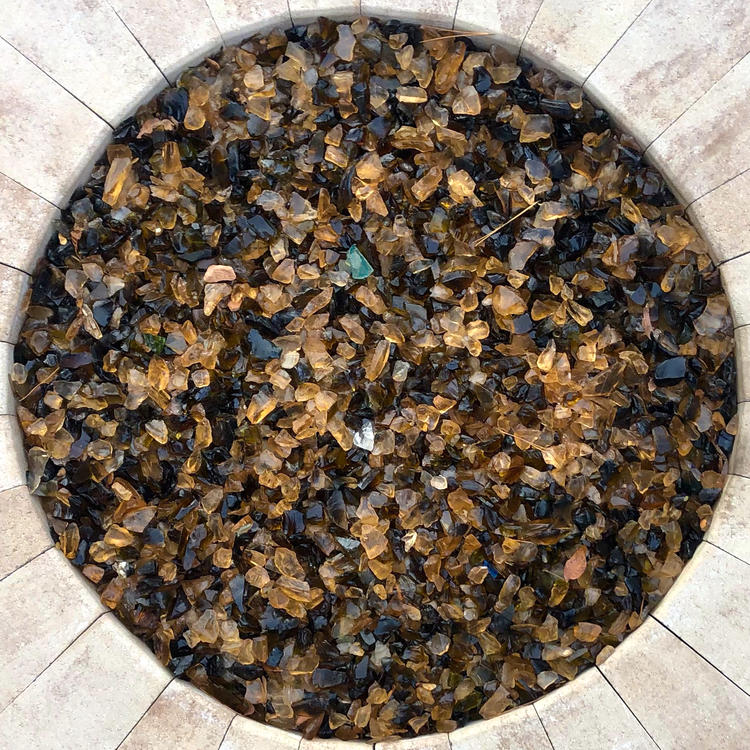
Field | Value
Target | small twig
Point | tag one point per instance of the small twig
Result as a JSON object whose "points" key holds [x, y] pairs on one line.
{"points": [[41, 383], [479, 241]]}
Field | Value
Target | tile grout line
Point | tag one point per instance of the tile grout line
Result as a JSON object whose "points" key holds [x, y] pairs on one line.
{"points": [[75, 640], [721, 549], [34, 192], [31, 559], [544, 729], [226, 731], [698, 653], [625, 703], [453, 27], [721, 184], [218, 30], [701, 96], [616, 42], [150, 705], [528, 29], [66, 90], [139, 43]]}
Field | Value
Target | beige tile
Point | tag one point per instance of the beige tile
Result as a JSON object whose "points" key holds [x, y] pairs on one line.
{"points": [[7, 400], [507, 20], [47, 138], [587, 714], [730, 527], [424, 742], [735, 278], [246, 734], [87, 49], [572, 36], [681, 700], [437, 12], [707, 608], [238, 19], [13, 287], [25, 224], [726, 229], [175, 33], [12, 454], [334, 744], [742, 353], [304, 11], [709, 143], [90, 697], [182, 717], [519, 729], [44, 607], [667, 59], [739, 459], [24, 533]]}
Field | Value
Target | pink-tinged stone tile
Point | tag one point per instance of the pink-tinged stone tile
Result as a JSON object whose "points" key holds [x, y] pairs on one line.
{"points": [[506, 20], [12, 454], [304, 11], [730, 526], [84, 46], [175, 33], [735, 278], [439, 13], [572, 36], [424, 742], [246, 734], [680, 699], [742, 353], [44, 606], [238, 19], [24, 533], [13, 287], [519, 729], [48, 139], [667, 59]]}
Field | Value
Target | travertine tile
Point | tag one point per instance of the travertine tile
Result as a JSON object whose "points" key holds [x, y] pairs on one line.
{"points": [[25, 224], [23, 529], [726, 229], [730, 527], [707, 607], [507, 20], [708, 144], [426, 742], [90, 697], [238, 19], [667, 59], [246, 734], [7, 400], [572, 36], [735, 278], [47, 138], [333, 744], [742, 353], [13, 287], [437, 12], [739, 460], [587, 714], [44, 607], [182, 717], [12, 454], [304, 11], [518, 729], [175, 33], [681, 700], [84, 46]]}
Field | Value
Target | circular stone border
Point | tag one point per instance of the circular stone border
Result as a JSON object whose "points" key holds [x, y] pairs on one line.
{"points": [[661, 687]]}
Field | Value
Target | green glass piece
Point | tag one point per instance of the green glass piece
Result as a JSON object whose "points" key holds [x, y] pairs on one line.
{"points": [[358, 264], [154, 343]]}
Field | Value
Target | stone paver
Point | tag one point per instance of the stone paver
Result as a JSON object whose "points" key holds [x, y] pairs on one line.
{"points": [[587, 714], [44, 607], [707, 607], [175, 33], [667, 59], [519, 729], [739, 460], [48, 140], [507, 20], [238, 19], [182, 717], [90, 697], [681, 700], [7, 400], [437, 12], [730, 527], [572, 36], [25, 224], [742, 352], [12, 456], [304, 11], [735, 278], [726, 229], [13, 287], [246, 734], [708, 144], [333, 744], [427, 742], [84, 46], [24, 533]]}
